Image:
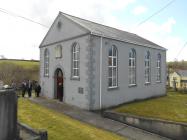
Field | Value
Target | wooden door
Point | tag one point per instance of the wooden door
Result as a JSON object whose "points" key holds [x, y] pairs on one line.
{"points": [[60, 85]]}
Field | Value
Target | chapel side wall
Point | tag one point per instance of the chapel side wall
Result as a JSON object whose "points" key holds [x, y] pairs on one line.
{"points": [[125, 93]]}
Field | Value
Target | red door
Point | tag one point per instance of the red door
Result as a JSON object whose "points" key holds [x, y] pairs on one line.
{"points": [[60, 86]]}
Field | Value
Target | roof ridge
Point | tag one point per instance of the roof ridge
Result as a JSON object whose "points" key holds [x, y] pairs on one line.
{"points": [[111, 32], [97, 23]]}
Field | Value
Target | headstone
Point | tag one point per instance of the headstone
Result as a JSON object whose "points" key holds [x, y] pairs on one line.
{"points": [[8, 115]]}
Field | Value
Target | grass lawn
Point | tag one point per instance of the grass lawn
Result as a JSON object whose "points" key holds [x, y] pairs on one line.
{"points": [[59, 126], [172, 107], [25, 64]]}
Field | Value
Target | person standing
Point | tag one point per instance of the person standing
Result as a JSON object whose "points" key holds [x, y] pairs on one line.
{"points": [[37, 89], [29, 88], [23, 88]]}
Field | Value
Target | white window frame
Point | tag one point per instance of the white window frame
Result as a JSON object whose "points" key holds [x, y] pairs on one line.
{"points": [[46, 63], [76, 61], [132, 67], [158, 68], [58, 51], [113, 67], [148, 67]]}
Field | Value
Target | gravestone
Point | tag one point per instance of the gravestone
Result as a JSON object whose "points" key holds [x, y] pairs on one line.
{"points": [[8, 115]]}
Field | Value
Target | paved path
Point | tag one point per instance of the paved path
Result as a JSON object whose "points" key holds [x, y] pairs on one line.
{"points": [[97, 120]]}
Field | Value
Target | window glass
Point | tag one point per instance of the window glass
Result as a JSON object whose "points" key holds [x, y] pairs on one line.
{"points": [[46, 62], [147, 67], [132, 67], [158, 68], [75, 60], [112, 67]]}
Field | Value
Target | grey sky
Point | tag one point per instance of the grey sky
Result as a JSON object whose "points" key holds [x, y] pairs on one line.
{"points": [[21, 38]]}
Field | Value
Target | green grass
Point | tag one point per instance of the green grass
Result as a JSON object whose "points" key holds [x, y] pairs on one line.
{"points": [[25, 64], [59, 126], [172, 107]]}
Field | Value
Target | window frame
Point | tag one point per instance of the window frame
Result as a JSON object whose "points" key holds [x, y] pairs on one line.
{"points": [[158, 68], [147, 65], [58, 51], [75, 70], [46, 63], [132, 67], [112, 67]]}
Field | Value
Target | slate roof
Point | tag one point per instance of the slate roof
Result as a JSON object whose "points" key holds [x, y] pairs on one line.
{"points": [[113, 33], [182, 73]]}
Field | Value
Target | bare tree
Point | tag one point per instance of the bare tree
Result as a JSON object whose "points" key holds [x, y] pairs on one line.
{"points": [[10, 72]]}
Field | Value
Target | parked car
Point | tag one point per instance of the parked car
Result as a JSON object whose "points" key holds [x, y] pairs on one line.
{"points": [[6, 86]]}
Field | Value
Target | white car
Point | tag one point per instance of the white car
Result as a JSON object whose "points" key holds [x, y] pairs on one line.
{"points": [[6, 86]]}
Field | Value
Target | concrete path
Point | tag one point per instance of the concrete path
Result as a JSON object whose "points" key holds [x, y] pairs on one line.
{"points": [[97, 120]]}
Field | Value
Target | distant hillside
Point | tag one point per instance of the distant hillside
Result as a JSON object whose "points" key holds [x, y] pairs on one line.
{"points": [[176, 65], [22, 63], [18, 70]]}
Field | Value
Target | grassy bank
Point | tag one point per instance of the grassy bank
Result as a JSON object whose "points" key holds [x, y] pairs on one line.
{"points": [[172, 107], [22, 63], [59, 126]]}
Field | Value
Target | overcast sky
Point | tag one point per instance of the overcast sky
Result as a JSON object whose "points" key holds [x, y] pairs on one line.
{"points": [[20, 38]]}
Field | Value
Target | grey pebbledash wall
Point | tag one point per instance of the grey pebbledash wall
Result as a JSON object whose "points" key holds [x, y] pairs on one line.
{"points": [[124, 93], [8, 115]]}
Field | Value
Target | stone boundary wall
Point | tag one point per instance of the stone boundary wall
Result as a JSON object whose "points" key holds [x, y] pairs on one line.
{"points": [[164, 128], [38, 134], [8, 115]]}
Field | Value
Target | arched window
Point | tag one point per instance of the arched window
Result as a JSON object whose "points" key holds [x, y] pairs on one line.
{"points": [[112, 67], [158, 68], [46, 62], [75, 60], [58, 51], [147, 68], [132, 67]]}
